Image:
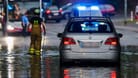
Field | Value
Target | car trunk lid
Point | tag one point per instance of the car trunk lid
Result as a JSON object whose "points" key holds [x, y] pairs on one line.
{"points": [[90, 42]]}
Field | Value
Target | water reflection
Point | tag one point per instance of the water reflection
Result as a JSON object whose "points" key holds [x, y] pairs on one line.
{"points": [[10, 43], [48, 73], [129, 60], [10, 59], [16, 65], [51, 67], [10, 67], [89, 72], [35, 69], [26, 66]]}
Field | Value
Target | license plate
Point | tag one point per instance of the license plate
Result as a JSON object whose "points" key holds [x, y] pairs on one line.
{"points": [[49, 16], [90, 44], [55, 13]]}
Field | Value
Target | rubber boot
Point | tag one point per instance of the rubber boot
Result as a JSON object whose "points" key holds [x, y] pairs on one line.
{"points": [[31, 51], [37, 52]]}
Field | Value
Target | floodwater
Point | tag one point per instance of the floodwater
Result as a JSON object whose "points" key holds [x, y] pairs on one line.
{"points": [[16, 63], [21, 65]]}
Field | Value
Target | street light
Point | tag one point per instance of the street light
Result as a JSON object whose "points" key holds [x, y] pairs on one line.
{"points": [[40, 8], [5, 2], [125, 11]]}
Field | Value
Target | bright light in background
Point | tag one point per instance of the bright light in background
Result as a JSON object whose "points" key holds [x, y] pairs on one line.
{"points": [[10, 7], [9, 27], [83, 25], [69, 4], [94, 8], [102, 23], [10, 44], [96, 25], [81, 8]]}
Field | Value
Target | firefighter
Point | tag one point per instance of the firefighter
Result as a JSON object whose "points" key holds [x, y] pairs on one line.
{"points": [[36, 24]]}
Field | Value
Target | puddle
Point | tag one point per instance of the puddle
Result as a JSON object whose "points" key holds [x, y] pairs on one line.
{"points": [[129, 61], [16, 64]]}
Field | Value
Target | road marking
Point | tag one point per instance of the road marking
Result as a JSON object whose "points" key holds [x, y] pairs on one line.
{"points": [[129, 53]]}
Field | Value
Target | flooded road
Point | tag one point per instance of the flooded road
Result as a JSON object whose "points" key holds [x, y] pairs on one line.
{"points": [[22, 65], [129, 62], [16, 63]]}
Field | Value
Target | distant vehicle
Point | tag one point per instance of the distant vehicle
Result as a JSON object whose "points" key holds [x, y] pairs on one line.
{"points": [[107, 9], [66, 10], [15, 12], [70, 10], [14, 27], [52, 13], [90, 38], [86, 10], [136, 12]]}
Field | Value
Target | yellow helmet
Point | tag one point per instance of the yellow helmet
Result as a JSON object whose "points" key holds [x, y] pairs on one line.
{"points": [[37, 11]]}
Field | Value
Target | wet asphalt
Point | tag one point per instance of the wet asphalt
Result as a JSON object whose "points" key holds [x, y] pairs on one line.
{"points": [[15, 62]]}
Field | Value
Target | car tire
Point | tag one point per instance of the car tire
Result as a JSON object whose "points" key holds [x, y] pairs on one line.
{"points": [[67, 16]]}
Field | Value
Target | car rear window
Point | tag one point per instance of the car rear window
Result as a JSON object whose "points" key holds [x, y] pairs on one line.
{"points": [[87, 27], [53, 8]]}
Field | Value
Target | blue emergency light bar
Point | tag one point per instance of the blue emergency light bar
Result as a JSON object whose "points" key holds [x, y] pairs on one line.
{"points": [[95, 8], [85, 8], [81, 8]]}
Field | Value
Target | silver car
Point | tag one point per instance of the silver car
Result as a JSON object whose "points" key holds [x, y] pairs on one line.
{"points": [[90, 38]]}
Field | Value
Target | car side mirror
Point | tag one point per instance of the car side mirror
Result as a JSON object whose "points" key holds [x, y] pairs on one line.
{"points": [[120, 35], [59, 35]]}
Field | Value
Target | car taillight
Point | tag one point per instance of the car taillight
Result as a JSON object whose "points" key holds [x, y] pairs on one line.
{"points": [[111, 41], [66, 73], [48, 11], [68, 41], [60, 10], [113, 74]]}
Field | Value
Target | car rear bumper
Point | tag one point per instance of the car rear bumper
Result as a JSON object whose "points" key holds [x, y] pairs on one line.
{"points": [[14, 31], [17, 32], [108, 13], [114, 55], [53, 17]]}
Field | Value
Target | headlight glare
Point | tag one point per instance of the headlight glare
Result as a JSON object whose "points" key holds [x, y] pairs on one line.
{"points": [[9, 27]]}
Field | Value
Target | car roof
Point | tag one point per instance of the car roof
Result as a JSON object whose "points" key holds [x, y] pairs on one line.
{"points": [[66, 5], [54, 7], [96, 18]]}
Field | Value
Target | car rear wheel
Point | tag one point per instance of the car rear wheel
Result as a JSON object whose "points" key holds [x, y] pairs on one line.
{"points": [[67, 16]]}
